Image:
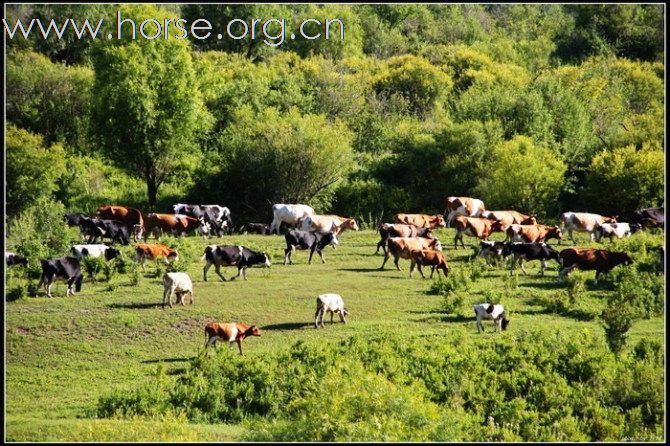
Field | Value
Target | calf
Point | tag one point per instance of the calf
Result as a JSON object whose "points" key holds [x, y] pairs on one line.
{"points": [[314, 241], [491, 250], [107, 252], [144, 251], [496, 313], [12, 259], [618, 230], [401, 247], [178, 284], [257, 228], [66, 268], [599, 260], [387, 230], [531, 251], [421, 220], [331, 303], [230, 332], [583, 222], [428, 257], [479, 227], [232, 255], [533, 233]]}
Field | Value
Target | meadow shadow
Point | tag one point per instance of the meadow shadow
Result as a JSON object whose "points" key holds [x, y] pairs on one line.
{"points": [[287, 326], [359, 270], [168, 360], [553, 285], [448, 318], [135, 306]]}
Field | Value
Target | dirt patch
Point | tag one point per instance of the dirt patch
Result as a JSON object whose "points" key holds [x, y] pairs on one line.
{"points": [[191, 324], [23, 330]]}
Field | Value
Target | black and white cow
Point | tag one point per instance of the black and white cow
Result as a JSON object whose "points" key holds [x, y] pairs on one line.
{"points": [[12, 259], [314, 241], [66, 268], [492, 251], [213, 214], [257, 228], [233, 255], [96, 228], [105, 251], [530, 251]]}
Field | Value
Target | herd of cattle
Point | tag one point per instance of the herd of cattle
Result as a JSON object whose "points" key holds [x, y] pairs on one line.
{"points": [[410, 237]]}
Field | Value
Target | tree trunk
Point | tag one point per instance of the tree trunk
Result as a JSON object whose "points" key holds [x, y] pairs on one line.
{"points": [[152, 191]]}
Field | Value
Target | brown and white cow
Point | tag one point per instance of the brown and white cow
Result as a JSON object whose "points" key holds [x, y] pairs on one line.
{"points": [[508, 218], [144, 251], [421, 220], [229, 332], [533, 233], [401, 247], [478, 227], [428, 257], [387, 230], [130, 216], [465, 206], [583, 222], [599, 260], [327, 223]]}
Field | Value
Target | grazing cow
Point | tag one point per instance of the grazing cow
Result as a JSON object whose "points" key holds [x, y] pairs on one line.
{"points": [[314, 241], [583, 222], [233, 255], [478, 227], [421, 220], [331, 303], [72, 218], [488, 311], [12, 259], [618, 230], [178, 284], [257, 228], [401, 247], [533, 233], [492, 251], [131, 217], [531, 251], [465, 206], [327, 223], [107, 252], [508, 218], [156, 224], [428, 257], [66, 268], [387, 230], [213, 214], [186, 225], [144, 251], [649, 217], [291, 214], [586, 259], [95, 228], [230, 332]]}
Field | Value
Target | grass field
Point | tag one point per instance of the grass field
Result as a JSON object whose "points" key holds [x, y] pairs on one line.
{"points": [[62, 353]]}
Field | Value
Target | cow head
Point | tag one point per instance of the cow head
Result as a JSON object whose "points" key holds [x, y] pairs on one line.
{"points": [[350, 223], [253, 331], [635, 227], [138, 231], [438, 221], [554, 232], [504, 323], [498, 226], [529, 221], [345, 312], [610, 219], [111, 253], [435, 244], [623, 258], [427, 233], [173, 256], [329, 239]]}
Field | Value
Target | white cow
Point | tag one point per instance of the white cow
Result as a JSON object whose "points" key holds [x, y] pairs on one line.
{"points": [[178, 284], [328, 223], [583, 222], [618, 230], [331, 303], [95, 250], [290, 214], [496, 313]]}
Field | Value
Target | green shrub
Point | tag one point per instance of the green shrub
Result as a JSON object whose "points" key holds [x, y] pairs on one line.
{"points": [[452, 303], [135, 274], [15, 293], [458, 279], [93, 265], [617, 318]]}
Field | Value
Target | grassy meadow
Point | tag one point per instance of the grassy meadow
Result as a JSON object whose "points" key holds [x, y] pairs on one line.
{"points": [[64, 353]]}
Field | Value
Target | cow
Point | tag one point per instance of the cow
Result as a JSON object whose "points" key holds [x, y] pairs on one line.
{"points": [[618, 230], [213, 214], [12, 259], [583, 222], [465, 206], [421, 220], [95, 228], [533, 233], [496, 313], [401, 247], [105, 251], [649, 217], [144, 251], [257, 228], [291, 214], [508, 218], [66, 268], [131, 217], [478, 227], [157, 224], [229, 332], [428, 257], [492, 250], [387, 230], [530, 251], [232, 255], [179, 284], [314, 241], [72, 218], [327, 223], [586, 259], [187, 224], [331, 303]]}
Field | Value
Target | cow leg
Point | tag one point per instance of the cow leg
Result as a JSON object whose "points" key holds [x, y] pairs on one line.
{"points": [[397, 258], [543, 266], [244, 272], [239, 345], [316, 317], [432, 271], [480, 326], [572, 237], [217, 268], [70, 283], [564, 272], [332, 313], [514, 260], [48, 287], [239, 272], [205, 269], [522, 268], [386, 257], [412, 265], [456, 240], [342, 318]]}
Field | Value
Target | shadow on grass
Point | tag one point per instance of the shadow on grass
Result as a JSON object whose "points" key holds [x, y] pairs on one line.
{"points": [[553, 285], [135, 306], [287, 326], [359, 270], [447, 318], [168, 360]]}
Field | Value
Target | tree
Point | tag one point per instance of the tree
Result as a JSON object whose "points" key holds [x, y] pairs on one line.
{"points": [[147, 108], [520, 175], [32, 168]]}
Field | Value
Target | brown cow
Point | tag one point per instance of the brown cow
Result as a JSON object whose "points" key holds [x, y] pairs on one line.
{"points": [[533, 233], [508, 218], [465, 206], [144, 251], [130, 216], [421, 220], [478, 227], [428, 257], [156, 224], [387, 230], [229, 332], [586, 259], [401, 247]]}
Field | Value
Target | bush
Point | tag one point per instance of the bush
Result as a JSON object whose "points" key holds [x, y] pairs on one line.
{"points": [[135, 274], [452, 303], [617, 318], [93, 265], [15, 293]]}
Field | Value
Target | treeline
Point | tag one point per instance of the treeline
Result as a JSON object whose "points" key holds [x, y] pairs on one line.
{"points": [[539, 108]]}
